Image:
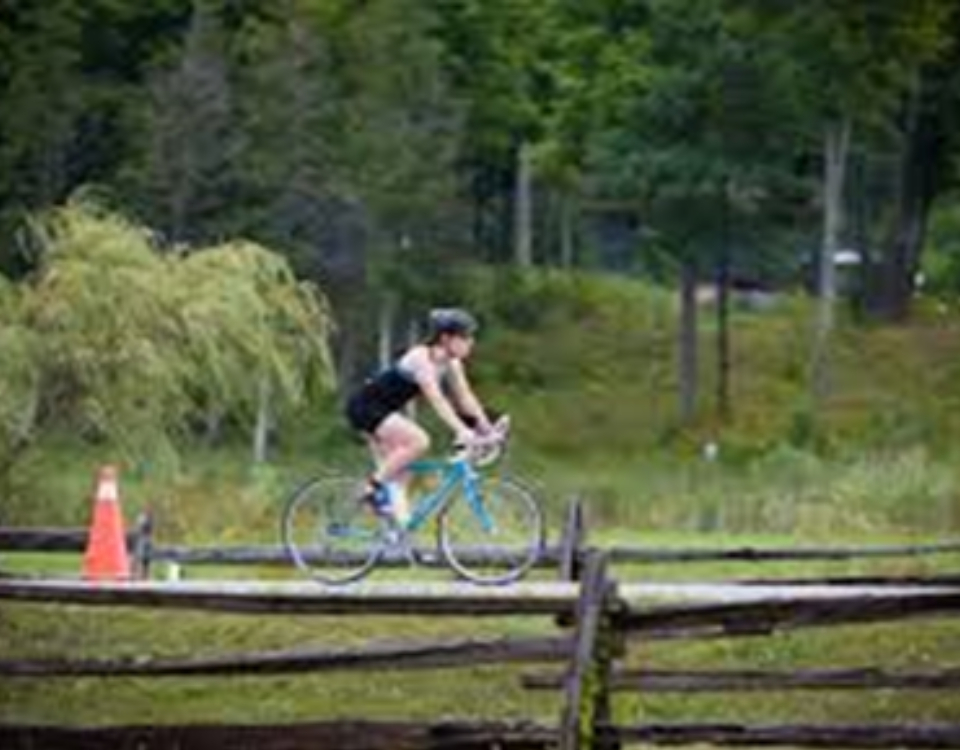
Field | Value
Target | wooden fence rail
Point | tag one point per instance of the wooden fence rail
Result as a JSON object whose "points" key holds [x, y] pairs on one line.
{"points": [[800, 735], [407, 656], [634, 554], [465, 735], [750, 680], [679, 608], [306, 598], [566, 555], [41, 539], [335, 735], [275, 555]]}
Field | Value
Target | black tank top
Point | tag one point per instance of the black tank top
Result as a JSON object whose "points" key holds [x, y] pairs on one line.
{"points": [[392, 388]]}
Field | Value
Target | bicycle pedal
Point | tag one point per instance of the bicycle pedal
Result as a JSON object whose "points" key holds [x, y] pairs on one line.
{"points": [[400, 544], [392, 536]]}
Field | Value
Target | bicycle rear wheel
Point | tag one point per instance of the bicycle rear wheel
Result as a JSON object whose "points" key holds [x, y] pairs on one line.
{"points": [[497, 539], [329, 533]]}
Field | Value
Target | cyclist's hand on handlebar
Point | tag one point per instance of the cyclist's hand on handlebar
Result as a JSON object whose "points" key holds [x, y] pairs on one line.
{"points": [[464, 438], [480, 448], [483, 428]]}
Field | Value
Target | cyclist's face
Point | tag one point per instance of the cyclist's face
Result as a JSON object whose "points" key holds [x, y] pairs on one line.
{"points": [[459, 346]]}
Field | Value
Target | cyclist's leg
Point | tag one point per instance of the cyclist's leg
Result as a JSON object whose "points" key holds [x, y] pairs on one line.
{"points": [[396, 443]]}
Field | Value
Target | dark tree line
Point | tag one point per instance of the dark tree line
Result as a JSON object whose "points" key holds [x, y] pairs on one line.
{"points": [[380, 144]]}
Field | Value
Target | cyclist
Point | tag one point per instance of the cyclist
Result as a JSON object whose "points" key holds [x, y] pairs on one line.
{"points": [[431, 369]]}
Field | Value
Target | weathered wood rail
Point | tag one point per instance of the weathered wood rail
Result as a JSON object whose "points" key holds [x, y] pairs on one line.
{"points": [[341, 735], [48, 539], [754, 680], [464, 735], [565, 554]]}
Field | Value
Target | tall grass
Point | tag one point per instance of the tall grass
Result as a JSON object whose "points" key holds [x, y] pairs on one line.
{"points": [[785, 491], [218, 496]]}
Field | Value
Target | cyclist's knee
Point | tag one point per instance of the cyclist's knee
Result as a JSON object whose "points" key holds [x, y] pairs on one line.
{"points": [[420, 442]]}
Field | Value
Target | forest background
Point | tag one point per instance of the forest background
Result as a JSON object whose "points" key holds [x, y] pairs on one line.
{"points": [[715, 246]]}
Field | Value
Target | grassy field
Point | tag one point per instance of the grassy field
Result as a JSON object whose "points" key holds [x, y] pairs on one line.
{"points": [[488, 692]]}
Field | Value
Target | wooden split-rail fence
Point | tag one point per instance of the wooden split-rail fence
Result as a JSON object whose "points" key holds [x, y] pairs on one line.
{"points": [[599, 618], [564, 554]]}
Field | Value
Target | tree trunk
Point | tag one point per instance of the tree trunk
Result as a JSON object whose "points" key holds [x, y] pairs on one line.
{"points": [[347, 357], [836, 147], [261, 432], [385, 331], [568, 213], [723, 313], [413, 336], [916, 187], [523, 209], [688, 342], [212, 425]]}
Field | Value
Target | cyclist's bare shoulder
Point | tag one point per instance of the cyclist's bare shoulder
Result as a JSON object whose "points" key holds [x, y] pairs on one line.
{"points": [[418, 362]]}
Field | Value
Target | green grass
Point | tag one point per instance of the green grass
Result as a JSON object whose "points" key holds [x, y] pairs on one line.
{"points": [[218, 496], [930, 645], [78, 633]]}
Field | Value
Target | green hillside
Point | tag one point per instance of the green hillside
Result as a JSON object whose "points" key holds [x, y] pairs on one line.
{"points": [[586, 365]]}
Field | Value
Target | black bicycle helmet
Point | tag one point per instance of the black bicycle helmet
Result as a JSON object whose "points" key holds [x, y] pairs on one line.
{"points": [[452, 320]]}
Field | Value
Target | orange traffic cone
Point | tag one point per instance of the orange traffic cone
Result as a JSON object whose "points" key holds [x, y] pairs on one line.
{"points": [[106, 557]]}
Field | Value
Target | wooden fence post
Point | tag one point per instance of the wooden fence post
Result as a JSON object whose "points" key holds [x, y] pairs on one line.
{"points": [[143, 545], [572, 541], [587, 683]]}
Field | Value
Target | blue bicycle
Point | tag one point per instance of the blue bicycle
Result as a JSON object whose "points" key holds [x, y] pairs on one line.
{"points": [[489, 528]]}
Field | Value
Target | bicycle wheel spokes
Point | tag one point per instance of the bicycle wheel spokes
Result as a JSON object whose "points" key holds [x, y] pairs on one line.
{"points": [[495, 540], [329, 533]]}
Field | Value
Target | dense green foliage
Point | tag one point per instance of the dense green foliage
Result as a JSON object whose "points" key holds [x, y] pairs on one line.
{"points": [[116, 338], [341, 133]]}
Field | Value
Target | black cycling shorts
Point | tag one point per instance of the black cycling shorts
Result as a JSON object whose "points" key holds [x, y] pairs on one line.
{"points": [[366, 414]]}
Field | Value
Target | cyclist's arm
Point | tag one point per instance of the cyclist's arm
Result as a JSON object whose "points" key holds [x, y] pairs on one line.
{"points": [[464, 396], [426, 375]]}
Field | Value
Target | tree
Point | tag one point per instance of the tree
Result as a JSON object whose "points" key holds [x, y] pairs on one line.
{"points": [[851, 63], [294, 194], [701, 140], [927, 144], [117, 339], [352, 137], [43, 95], [503, 56], [19, 379], [193, 141], [71, 77]]}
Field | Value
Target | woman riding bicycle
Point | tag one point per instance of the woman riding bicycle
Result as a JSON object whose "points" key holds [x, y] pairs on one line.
{"points": [[427, 369]]}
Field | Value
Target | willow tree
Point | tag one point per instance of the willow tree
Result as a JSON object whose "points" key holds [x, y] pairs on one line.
{"points": [[18, 377], [128, 342]]}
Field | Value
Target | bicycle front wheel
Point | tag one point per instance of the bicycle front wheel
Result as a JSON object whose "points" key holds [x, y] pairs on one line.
{"points": [[492, 536], [329, 533]]}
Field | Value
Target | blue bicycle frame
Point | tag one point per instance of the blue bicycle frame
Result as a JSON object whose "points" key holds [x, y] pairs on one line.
{"points": [[456, 471]]}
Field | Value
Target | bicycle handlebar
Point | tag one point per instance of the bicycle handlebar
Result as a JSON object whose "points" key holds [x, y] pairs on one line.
{"points": [[485, 449]]}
